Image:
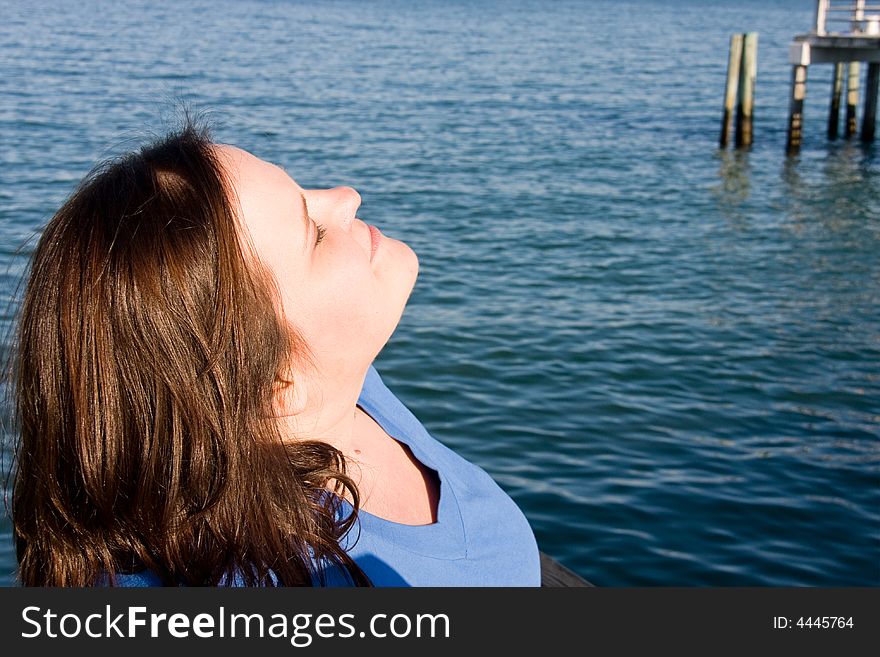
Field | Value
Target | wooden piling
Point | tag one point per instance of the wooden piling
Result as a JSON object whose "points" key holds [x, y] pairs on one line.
{"points": [[852, 98], [748, 72], [870, 110], [834, 112], [733, 66], [796, 109]]}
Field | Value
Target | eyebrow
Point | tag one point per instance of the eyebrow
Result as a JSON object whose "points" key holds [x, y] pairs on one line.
{"points": [[305, 210], [305, 219]]}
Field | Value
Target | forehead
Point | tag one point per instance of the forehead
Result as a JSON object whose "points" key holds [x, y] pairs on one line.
{"points": [[247, 171], [262, 190], [268, 201]]}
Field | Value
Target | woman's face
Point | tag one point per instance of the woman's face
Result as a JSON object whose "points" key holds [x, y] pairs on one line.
{"points": [[344, 294]]}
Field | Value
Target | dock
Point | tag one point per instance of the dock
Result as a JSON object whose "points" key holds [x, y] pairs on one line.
{"points": [[845, 34], [555, 575]]}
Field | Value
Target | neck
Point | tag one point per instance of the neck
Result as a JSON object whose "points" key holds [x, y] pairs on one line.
{"points": [[330, 414]]}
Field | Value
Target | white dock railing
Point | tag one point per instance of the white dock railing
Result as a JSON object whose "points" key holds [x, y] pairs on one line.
{"points": [[853, 17]]}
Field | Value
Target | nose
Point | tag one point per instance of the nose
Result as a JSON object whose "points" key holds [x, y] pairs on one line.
{"points": [[338, 204]]}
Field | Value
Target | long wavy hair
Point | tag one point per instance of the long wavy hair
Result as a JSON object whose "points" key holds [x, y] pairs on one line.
{"points": [[148, 342]]}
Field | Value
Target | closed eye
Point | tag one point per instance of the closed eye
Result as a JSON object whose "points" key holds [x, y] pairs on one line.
{"points": [[321, 233]]}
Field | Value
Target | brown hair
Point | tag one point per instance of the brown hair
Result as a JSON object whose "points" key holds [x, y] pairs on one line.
{"points": [[147, 348]]}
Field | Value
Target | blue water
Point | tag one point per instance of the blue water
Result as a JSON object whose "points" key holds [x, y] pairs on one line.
{"points": [[668, 354]]}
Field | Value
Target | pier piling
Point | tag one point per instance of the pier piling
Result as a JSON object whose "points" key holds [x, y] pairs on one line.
{"points": [[796, 108], [834, 112], [748, 72], [852, 98], [870, 111], [733, 66]]}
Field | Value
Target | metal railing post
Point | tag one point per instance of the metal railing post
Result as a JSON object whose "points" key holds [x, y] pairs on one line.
{"points": [[858, 15], [821, 16]]}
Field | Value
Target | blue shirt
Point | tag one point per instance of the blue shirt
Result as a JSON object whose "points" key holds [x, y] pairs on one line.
{"points": [[481, 538]]}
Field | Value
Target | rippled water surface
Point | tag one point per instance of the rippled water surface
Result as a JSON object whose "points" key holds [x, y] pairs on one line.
{"points": [[668, 355]]}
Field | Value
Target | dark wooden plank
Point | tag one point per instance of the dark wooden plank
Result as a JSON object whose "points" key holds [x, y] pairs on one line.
{"points": [[554, 574]]}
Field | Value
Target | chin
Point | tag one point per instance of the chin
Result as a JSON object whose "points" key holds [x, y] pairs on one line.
{"points": [[402, 282], [412, 264]]}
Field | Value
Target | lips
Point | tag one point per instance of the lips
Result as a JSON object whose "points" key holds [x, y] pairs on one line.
{"points": [[375, 238]]}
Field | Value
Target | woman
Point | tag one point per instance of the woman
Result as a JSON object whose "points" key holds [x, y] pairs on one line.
{"points": [[197, 400]]}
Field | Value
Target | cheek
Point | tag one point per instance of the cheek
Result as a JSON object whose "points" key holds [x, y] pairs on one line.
{"points": [[339, 312]]}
